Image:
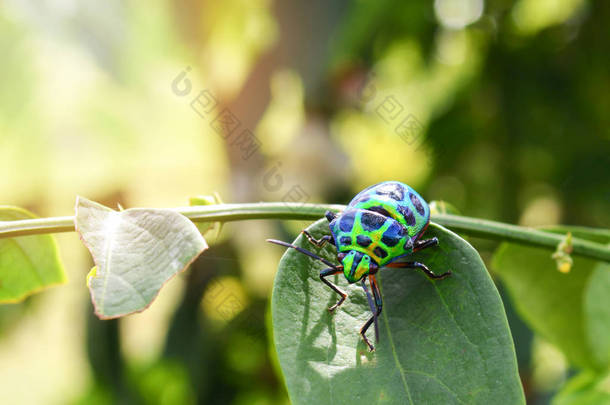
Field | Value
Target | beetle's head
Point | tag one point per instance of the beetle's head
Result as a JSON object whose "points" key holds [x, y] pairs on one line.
{"points": [[356, 265]]}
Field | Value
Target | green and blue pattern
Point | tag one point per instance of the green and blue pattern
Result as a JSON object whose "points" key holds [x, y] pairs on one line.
{"points": [[382, 222]]}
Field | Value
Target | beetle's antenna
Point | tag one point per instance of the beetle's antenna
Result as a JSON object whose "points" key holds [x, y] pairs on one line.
{"points": [[304, 251], [373, 308]]}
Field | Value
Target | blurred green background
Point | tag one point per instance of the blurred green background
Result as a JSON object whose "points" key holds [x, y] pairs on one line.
{"points": [[498, 107]]}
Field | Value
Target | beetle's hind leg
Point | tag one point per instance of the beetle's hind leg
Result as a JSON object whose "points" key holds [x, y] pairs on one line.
{"points": [[329, 272], [318, 242], [427, 271], [420, 266]]}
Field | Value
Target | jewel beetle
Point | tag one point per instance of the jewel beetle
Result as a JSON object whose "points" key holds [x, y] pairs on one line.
{"points": [[382, 223]]}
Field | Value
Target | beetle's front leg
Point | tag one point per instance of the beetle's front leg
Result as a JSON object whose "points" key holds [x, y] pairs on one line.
{"points": [[318, 242], [329, 272], [372, 319]]}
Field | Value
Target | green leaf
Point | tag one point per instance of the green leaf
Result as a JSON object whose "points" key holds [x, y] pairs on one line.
{"points": [[135, 251], [597, 310], [587, 388], [441, 342], [27, 263], [442, 207], [164, 382], [555, 304]]}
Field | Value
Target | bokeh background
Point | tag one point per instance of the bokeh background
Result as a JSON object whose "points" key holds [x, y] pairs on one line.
{"points": [[498, 107]]}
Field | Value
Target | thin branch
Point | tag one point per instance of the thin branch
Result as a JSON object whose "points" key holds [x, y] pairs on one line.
{"points": [[240, 212]]}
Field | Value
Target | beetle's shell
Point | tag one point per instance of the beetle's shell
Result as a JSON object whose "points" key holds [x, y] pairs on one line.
{"points": [[382, 221]]}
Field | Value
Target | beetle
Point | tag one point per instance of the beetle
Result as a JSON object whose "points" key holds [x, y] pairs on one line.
{"points": [[380, 225]]}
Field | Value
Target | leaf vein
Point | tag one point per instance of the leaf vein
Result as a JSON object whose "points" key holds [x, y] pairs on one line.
{"points": [[438, 381], [391, 339]]}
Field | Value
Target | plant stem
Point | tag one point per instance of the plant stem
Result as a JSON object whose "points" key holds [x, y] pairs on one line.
{"points": [[523, 235], [238, 212], [199, 213]]}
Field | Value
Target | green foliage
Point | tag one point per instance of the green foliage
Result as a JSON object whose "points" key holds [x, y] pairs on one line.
{"points": [[444, 341], [165, 383], [597, 309], [27, 264], [136, 251], [514, 126], [570, 310], [585, 389], [442, 207]]}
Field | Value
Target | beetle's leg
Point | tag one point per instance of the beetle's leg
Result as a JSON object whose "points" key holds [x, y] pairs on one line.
{"points": [[425, 269], [378, 301], [329, 272], [420, 266], [422, 244], [372, 319], [318, 242]]}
